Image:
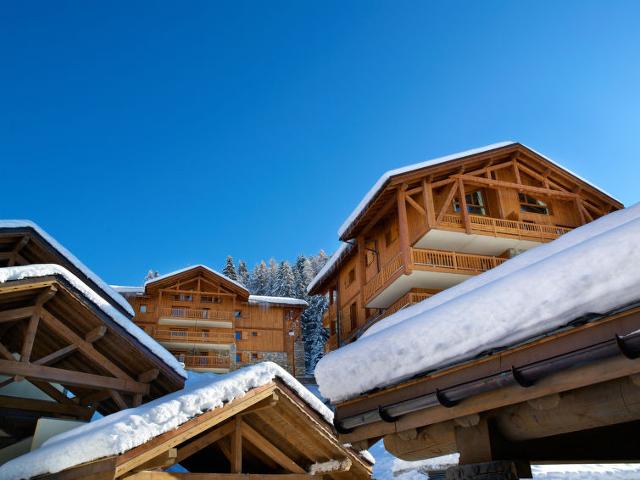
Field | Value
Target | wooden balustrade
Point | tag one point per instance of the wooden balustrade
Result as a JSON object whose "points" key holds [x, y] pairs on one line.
{"points": [[196, 314], [329, 315], [205, 361], [168, 335], [462, 262], [499, 226], [390, 269]]}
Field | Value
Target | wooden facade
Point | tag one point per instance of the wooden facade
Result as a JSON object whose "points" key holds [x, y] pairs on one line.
{"points": [[434, 226], [212, 324]]}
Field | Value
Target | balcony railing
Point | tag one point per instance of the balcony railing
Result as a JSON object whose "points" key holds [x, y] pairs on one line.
{"points": [[181, 336], [205, 361], [499, 226], [186, 313], [430, 260]]}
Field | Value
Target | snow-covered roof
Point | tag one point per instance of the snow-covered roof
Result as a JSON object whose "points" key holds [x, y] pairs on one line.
{"points": [[41, 270], [186, 269], [277, 300], [127, 429], [71, 258], [379, 185], [124, 289], [370, 195], [590, 270]]}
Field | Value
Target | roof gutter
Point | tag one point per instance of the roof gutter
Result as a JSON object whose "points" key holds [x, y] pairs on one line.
{"points": [[525, 376]]}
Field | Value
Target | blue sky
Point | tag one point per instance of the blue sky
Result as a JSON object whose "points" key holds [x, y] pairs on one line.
{"points": [[161, 134]]}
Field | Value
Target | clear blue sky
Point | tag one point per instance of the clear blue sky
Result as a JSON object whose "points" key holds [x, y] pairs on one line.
{"points": [[161, 134]]}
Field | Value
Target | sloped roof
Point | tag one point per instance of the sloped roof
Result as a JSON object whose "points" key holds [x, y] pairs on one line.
{"points": [[8, 225], [592, 270], [232, 283]]}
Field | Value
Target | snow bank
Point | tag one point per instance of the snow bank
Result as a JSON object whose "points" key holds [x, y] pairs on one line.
{"points": [[594, 275], [71, 258], [525, 259], [124, 430], [277, 300], [41, 270]]}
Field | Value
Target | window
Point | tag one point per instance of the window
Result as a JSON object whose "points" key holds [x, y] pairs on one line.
{"points": [[237, 314], [205, 313], [180, 356], [475, 203], [210, 299], [178, 312], [532, 205], [178, 332], [391, 235], [143, 309], [254, 334], [183, 297], [205, 333], [238, 335], [238, 358], [351, 277], [254, 356], [353, 315]]}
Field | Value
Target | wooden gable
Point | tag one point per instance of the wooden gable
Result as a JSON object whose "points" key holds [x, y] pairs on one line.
{"points": [[267, 433], [198, 279]]}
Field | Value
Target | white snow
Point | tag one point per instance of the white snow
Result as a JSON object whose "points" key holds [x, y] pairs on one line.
{"points": [[124, 430], [124, 289], [595, 275], [277, 300], [71, 258], [44, 269], [186, 269], [329, 466], [525, 259], [327, 266]]}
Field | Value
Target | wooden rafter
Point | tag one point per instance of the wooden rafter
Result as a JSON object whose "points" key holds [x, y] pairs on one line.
{"points": [[151, 475], [447, 202], [43, 406], [16, 314], [236, 445], [202, 442], [515, 186], [271, 450], [56, 356]]}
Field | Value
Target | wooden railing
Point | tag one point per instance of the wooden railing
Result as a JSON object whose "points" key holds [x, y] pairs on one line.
{"points": [[329, 315], [385, 273], [462, 262], [407, 299], [205, 361], [499, 226], [196, 314], [168, 335]]}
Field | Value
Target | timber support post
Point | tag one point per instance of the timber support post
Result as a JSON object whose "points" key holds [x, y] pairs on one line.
{"points": [[403, 231]]}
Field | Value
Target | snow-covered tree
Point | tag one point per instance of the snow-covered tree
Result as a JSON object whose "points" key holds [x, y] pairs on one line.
{"points": [[303, 274], [230, 269], [313, 332], [283, 286], [260, 280], [243, 273], [271, 276]]}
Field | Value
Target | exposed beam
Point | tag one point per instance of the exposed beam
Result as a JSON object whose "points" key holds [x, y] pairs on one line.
{"points": [[204, 441], [236, 445], [403, 230], [68, 377], [16, 314], [53, 392], [151, 475], [29, 337], [515, 186], [57, 355], [447, 202], [96, 334], [119, 401], [415, 205], [164, 460], [463, 206], [4, 352], [271, 450], [149, 375], [43, 406]]}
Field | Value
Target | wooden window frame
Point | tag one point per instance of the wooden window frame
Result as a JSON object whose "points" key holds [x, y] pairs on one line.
{"points": [[537, 207], [473, 206]]}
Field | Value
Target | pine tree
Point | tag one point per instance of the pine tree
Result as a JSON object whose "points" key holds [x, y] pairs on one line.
{"points": [[283, 285], [229, 269], [243, 274], [303, 274], [313, 332], [271, 277], [260, 280]]}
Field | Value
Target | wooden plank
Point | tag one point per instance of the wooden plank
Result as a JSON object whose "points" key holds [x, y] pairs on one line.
{"points": [[463, 207], [204, 441], [96, 334], [429, 207], [68, 377], [149, 375], [137, 456], [4, 352], [164, 460], [514, 186], [44, 406], [16, 314], [117, 398], [403, 230], [236, 446], [415, 205], [56, 356], [271, 450], [53, 392], [150, 475], [447, 202], [103, 469], [29, 337]]}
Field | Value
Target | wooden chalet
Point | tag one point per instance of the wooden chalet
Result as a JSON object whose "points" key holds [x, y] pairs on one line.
{"points": [[68, 348], [275, 430], [427, 227], [211, 323]]}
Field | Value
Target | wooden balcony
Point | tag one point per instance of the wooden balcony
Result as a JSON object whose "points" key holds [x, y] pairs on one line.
{"points": [[204, 337], [503, 227], [186, 313], [432, 261], [206, 361]]}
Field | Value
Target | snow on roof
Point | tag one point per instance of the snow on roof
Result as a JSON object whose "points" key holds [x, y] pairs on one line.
{"points": [[327, 266], [277, 300], [596, 273], [429, 163], [122, 289], [45, 269], [186, 269], [127, 429], [71, 258]]}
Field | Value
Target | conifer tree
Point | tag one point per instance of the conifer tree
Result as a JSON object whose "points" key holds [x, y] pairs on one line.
{"points": [[284, 281], [271, 277], [229, 269], [243, 274], [260, 279]]}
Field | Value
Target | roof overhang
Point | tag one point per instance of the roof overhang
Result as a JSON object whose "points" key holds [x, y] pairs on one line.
{"points": [[190, 272]]}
